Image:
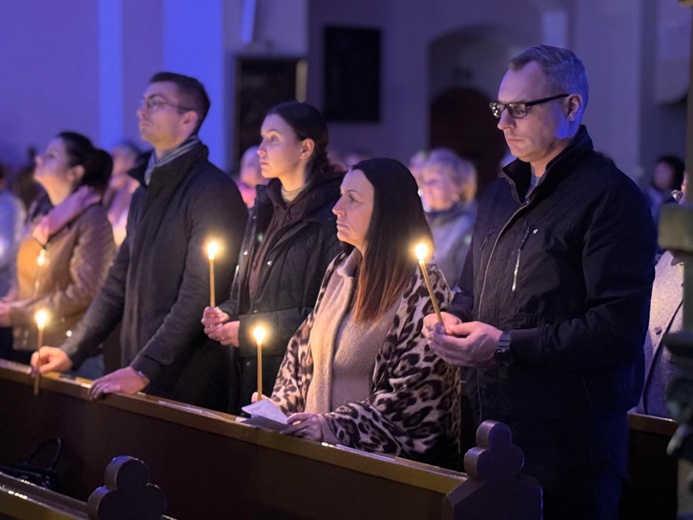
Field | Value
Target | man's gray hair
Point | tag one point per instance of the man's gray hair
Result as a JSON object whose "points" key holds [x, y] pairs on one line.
{"points": [[563, 69]]}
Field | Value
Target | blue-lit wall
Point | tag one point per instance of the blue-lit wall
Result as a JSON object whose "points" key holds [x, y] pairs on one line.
{"points": [[83, 64]]}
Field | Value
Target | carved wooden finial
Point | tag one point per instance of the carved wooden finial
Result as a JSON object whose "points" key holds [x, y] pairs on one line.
{"points": [[495, 457], [127, 493]]}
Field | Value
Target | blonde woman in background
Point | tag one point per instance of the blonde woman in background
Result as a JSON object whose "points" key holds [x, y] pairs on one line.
{"points": [[449, 190]]}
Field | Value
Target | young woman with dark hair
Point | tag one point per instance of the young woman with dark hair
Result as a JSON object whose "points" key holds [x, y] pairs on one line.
{"points": [[358, 372], [65, 254], [289, 242], [667, 177]]}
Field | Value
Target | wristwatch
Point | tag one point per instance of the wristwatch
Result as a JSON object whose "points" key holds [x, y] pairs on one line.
{"points": [[503, 348]]}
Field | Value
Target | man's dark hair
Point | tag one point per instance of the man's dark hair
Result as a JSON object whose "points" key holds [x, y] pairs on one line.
{"points": [[193, 95]]}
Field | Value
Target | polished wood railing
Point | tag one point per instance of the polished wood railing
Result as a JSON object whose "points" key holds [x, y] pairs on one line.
{"points": [[211, 466]]}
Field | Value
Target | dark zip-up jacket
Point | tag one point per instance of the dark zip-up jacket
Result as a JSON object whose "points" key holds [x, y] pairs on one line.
{"points": [[294, 264], [159, 283], [569, 273]]}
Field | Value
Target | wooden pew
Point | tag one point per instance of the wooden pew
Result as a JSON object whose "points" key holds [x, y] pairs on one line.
{"points": [[126, 494], [22, 500], [653, 473], [652, 491], [210, 466]]}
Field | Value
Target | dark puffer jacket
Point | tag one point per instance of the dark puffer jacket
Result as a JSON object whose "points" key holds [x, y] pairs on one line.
{"points": [[569, 273], [295, 262]]}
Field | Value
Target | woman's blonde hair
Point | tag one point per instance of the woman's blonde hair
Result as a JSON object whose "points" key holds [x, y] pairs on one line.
{"points": [[462, 172]]}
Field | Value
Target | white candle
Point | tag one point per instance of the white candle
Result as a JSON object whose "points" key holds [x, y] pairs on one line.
{"points": [[41, 319], [212, 251], [259, 334]]}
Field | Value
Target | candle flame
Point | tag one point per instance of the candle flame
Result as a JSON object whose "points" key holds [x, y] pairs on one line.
{"points": [[41, 318], [421, 251], [259, 333], [212, 249]]}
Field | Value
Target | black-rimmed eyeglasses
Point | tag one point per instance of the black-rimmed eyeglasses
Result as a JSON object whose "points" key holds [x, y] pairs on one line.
{"points": [[152, 104], [518, 110]]}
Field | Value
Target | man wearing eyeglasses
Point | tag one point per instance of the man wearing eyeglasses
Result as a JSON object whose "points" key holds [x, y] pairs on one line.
{"points": [[555, 292], [159, 283]]}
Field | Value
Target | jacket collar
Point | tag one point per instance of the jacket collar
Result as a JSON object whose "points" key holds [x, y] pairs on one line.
{"points": [[64, 213], [172, 170], [322, 189], [518, 172]]}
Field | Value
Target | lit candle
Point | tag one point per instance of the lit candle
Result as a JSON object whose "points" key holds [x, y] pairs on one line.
{"points": [[41, 319], [421, 251], [259, 333], [212, 250]]}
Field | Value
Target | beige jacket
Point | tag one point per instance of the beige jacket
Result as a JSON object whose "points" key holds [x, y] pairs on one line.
{"points": [[75, 262]]}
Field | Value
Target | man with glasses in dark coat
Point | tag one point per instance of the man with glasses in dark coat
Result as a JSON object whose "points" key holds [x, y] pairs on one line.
{"points": [[555, 292], [159, 283]]}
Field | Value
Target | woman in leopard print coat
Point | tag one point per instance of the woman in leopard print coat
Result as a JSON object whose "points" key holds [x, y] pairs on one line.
{"points": [[358, 372]]}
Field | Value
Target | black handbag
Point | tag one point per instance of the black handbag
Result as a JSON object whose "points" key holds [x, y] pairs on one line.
{"points": [[38, 467]]}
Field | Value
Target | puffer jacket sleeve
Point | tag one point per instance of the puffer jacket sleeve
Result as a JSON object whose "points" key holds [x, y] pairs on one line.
{"points": [[412, 408], [231, 305], [283, 323]]}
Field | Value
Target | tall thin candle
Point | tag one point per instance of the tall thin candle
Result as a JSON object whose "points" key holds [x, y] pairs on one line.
{"points": [[212, 251], [41, 319], [259, 333], [421, 251]]}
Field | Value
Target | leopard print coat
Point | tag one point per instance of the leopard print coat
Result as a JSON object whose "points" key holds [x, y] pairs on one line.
{"points": [[413, 406]]}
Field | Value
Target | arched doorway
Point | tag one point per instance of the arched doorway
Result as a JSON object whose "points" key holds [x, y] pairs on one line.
{"points": [[466, 67], [461, 120]]}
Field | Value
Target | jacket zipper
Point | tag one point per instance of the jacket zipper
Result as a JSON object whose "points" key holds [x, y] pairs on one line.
{"points": [[483, 285], [483, 244], [488, 264], [519, 254], [481, 296], [493, 250]]}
